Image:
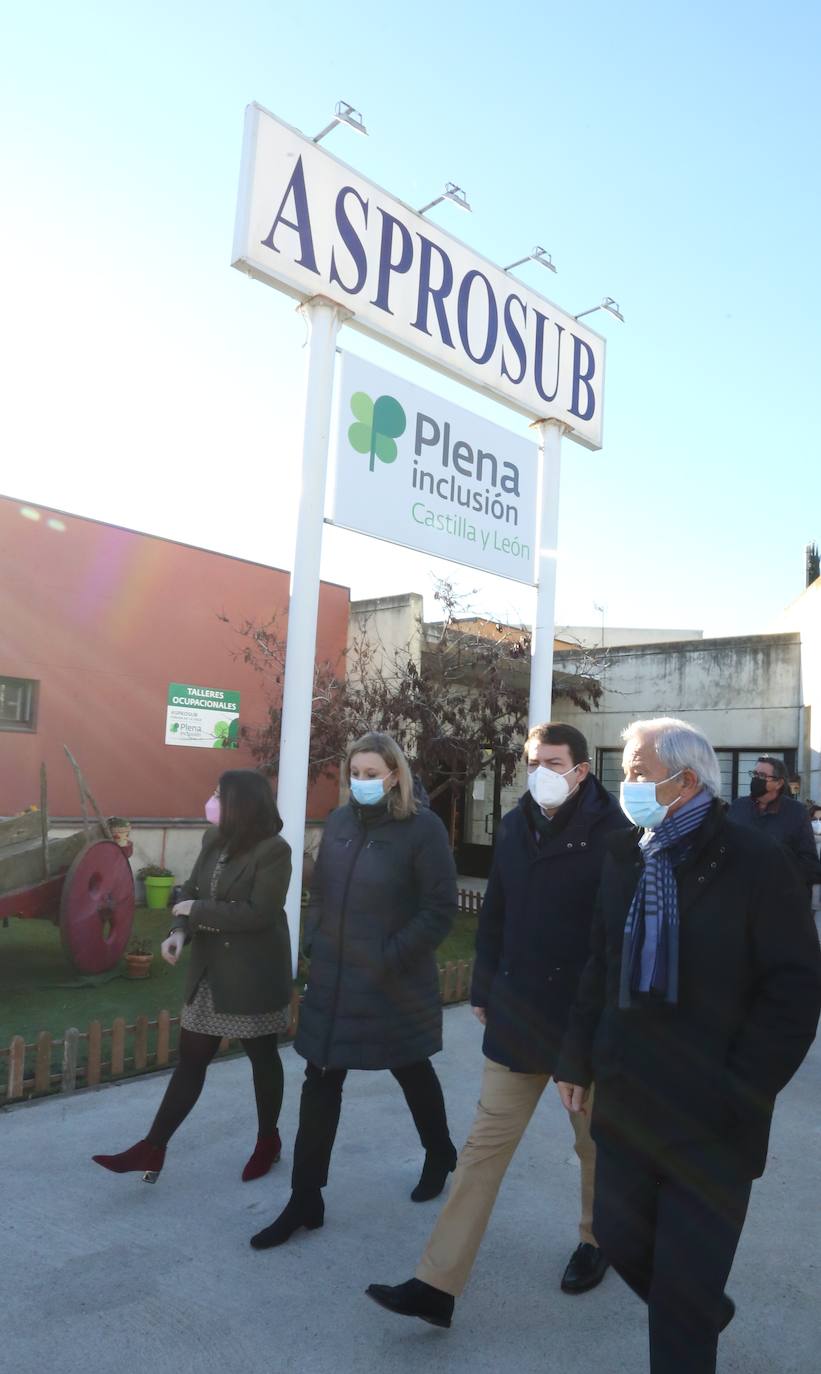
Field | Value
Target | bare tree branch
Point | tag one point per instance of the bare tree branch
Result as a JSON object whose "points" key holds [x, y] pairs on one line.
{"points": [[462, 708]]}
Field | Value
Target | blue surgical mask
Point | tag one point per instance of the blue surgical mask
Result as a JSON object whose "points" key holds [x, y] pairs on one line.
{"points": [[640, 804], [367, 791]]}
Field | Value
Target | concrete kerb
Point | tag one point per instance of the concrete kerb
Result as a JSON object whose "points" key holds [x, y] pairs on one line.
{"points": [[107, 1273]]}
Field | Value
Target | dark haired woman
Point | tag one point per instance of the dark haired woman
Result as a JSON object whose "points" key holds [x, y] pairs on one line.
{"points": [[383, 896], [239, 979]]}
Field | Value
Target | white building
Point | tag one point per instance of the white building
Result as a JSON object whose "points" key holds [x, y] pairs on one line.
{"points": [[744, 692], [750, 694], [803, 616]]}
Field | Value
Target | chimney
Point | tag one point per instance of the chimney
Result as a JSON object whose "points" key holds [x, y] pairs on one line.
{"points": [[813, 564]]}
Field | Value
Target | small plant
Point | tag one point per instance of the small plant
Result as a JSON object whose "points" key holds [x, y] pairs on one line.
{"points": [[142, 947], [154, 871]]}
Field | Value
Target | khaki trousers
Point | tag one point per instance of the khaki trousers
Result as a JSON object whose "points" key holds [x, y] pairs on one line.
{"points": [[507, 1102]]}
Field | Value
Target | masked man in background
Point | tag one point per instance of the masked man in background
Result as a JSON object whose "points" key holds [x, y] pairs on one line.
{"points": [[771, 810]]}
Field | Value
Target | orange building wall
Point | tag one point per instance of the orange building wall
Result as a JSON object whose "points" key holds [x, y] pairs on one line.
{"points": [[105, 619]]}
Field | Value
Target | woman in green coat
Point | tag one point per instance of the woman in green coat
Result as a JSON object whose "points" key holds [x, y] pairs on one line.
{"points": [[239, 978]]}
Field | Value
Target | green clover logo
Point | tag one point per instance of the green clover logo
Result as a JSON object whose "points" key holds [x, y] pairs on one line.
{"points": [[378, 423]]}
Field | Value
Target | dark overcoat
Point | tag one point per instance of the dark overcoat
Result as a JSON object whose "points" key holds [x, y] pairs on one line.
{"points": [[708, 1068], [383, 897], [789, 824], [240, 937], [534, 928]]}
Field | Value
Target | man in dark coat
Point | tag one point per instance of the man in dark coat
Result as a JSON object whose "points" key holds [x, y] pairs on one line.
{"points": [[770, 810], [532, 944], [700, 1001]]}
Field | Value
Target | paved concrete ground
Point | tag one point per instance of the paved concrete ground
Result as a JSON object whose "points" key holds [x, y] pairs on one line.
{"points": [[105, 1274]]}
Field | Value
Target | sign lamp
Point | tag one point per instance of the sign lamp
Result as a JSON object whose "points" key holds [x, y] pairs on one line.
{"points": [[538, 255], [451, 192], [608, 304], [343, 114]]}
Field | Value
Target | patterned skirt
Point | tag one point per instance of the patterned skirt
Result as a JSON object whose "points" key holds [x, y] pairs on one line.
{"points": [[201, 1015]]}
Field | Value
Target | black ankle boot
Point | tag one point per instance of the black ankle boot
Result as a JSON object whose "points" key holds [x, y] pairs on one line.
{"points": [[435, 1171], [302, 1209]]}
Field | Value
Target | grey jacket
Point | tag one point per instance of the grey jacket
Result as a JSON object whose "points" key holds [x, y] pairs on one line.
{"points": [[240, 938], [383, 897]]}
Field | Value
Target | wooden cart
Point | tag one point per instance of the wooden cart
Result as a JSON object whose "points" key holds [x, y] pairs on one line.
{"points": [[81, 882]]}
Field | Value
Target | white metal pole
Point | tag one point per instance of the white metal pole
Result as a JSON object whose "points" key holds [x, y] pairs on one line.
{"points": [[541, 645], [324, 319]]}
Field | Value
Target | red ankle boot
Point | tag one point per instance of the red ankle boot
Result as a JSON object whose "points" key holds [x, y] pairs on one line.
{"points": [[266, 1152], [143, 1158]]}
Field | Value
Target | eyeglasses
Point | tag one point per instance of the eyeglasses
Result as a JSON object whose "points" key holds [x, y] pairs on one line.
{"points": [[754, 773]]}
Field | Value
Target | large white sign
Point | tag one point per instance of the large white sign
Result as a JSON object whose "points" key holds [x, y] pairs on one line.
{"points": [[415, 469], [309, 225]]}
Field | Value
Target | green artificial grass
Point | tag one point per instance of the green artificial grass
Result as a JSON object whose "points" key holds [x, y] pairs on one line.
{"points": [[40, 991], [460, 942]]}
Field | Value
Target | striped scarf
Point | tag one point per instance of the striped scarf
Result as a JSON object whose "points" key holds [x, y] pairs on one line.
{"points": [[656, 899]]}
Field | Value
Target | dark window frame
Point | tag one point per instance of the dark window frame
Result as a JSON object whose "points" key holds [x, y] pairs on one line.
{"points": [[739, 784], [29, 725]]}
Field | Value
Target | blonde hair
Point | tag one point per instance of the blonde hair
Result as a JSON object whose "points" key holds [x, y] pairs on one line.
{"points": [[401, 801]]}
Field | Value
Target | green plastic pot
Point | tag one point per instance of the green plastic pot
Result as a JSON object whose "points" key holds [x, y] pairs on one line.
{"points": [[158, 891]]}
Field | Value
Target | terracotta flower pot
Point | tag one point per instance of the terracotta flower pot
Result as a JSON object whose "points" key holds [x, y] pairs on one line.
{"points": [[138, 965]]}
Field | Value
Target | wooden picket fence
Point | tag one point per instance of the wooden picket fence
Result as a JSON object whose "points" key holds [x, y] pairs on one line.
{"points": [[85, 1059], [469, 902]]}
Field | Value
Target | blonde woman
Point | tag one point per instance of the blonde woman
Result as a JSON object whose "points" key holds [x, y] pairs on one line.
{"points": [[383, 897]]}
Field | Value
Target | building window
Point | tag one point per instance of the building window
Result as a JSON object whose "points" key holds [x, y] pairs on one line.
{"points": [[735, 764], [18, 703]]}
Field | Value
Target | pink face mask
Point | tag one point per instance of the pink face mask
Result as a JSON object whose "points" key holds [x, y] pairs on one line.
{"points": [[212, 810]]}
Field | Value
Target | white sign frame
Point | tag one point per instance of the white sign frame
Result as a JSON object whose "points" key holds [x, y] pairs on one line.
{"points": [[310, 225], [271, 193]]}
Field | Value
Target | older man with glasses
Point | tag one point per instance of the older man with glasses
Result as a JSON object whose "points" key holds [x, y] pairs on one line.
{"points": [[770, 810], [699, 1002]]}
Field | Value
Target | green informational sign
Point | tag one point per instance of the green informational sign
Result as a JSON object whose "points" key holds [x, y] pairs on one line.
{"points": [[202, 717]]}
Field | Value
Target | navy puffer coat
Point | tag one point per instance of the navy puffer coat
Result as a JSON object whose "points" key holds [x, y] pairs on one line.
{"points": [[383, 897]]}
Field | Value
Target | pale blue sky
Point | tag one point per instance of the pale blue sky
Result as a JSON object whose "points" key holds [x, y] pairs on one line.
{"points": [[665, 155]]}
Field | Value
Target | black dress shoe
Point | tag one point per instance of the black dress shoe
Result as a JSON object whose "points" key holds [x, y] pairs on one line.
{"points": [[306, 1210], [727, 1312], [434, 1175], [586, 1269], [414, 1299]]}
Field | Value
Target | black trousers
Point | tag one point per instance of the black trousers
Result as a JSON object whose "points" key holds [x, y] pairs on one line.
{"points": [[670, 1228], [319, 1109]]}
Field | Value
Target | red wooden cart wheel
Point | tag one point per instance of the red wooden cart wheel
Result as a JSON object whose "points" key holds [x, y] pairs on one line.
{"points": [[97, 907]]}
